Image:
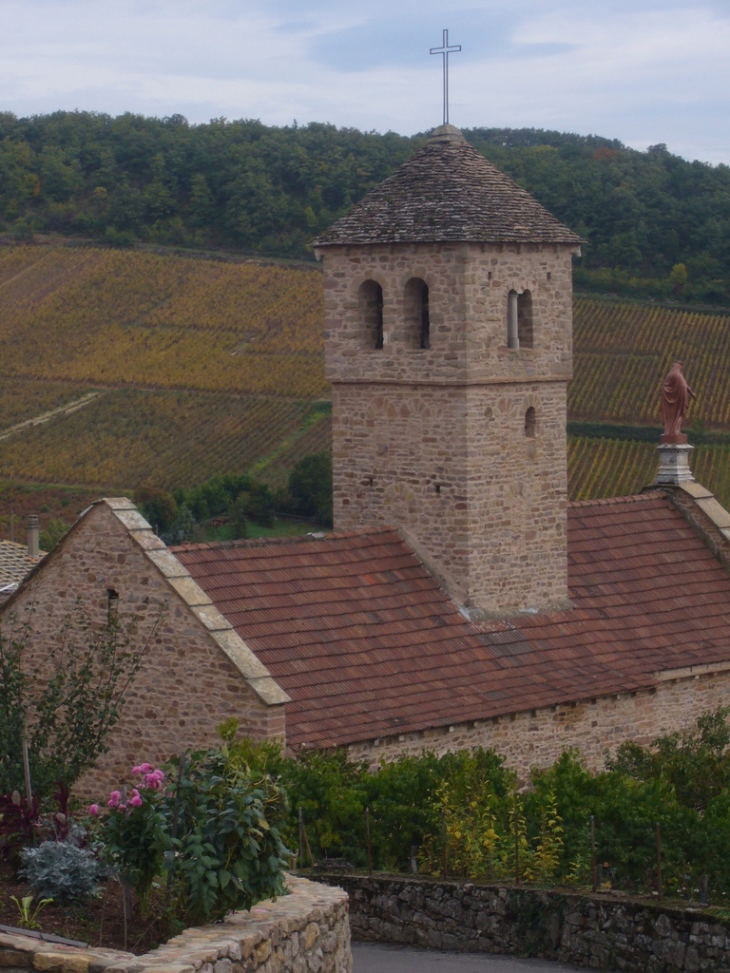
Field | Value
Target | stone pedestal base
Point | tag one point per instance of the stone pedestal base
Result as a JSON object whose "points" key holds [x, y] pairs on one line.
{"points": [[674, 464]]}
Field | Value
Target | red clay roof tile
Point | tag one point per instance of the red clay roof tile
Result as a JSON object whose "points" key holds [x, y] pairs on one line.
{"points": [[365, 642]]}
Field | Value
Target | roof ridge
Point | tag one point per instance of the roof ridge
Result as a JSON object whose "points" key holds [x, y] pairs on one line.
{"points": [[252, 542], [614, 501]]}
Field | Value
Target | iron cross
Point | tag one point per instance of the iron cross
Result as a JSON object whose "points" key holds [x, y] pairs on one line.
{"points": [[445, 50]]}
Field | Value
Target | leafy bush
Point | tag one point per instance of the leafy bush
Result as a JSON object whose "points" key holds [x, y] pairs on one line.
{"points": [[183, 527], [55, 530], [254, 502], [62, 871], [238, 513], [681, 783], [67, 710], [310, 487], [212, 835], [214, 496], [158, 506]]}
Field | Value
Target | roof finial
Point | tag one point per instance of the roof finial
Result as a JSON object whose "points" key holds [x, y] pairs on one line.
{"points": [[445, 50]]}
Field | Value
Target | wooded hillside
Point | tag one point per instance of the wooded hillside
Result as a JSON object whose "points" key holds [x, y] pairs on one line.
{"points": [[655, 224]]}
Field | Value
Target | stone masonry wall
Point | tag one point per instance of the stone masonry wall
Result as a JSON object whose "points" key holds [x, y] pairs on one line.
{"points": [[453, 467], [187, 685], [536, 738], [601, 932], [433, 440], [306, 931]]}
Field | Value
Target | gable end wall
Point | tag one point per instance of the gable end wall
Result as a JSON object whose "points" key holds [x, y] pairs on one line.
{"points": [[186, 687]]}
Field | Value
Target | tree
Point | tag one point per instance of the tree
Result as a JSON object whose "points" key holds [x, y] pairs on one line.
{"points": [[158, 506], [65, 706], [678, 278], [310, 487], [55, 530]]}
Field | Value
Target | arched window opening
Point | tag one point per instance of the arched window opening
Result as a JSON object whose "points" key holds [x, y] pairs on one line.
{"points": [[524, 320], [370, 296], [513, 340], [530, 423], [417, 317]]}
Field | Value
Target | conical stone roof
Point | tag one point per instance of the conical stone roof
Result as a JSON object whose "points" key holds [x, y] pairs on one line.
{"points": [[447, 191]]}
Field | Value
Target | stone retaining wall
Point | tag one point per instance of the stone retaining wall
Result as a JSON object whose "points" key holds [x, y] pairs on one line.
{"points": [[306, 931], [603, 932]]}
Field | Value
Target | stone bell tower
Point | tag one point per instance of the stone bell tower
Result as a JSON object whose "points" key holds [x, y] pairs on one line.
{"points": [[448, 337]]}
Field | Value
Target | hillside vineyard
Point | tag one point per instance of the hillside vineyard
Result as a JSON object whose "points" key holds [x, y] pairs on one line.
{"points": [[204, 367]]}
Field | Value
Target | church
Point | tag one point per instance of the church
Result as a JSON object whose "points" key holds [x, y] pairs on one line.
{"points": [[461, 600]]}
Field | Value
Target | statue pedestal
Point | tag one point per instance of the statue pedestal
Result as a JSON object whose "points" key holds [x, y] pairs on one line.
{"points": [[673, 464]]}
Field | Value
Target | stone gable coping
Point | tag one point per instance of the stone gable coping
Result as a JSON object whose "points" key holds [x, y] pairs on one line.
{"points": [[695, 489], [216, 624], [132, 519], [121, 503], [715, 511], [148, 540], [231, 643], [708, 504], [190, 591], [214, 620], [714, 521], [167, 564]]}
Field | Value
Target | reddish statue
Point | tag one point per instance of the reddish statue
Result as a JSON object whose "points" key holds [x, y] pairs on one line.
{"points": [[675, 400]]}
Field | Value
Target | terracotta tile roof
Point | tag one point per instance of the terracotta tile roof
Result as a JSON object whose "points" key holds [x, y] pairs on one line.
{"points": [[365, 642], [447, 191]]}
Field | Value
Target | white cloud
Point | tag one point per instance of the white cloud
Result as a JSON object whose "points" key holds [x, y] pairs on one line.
{"points": [[654, 72]]}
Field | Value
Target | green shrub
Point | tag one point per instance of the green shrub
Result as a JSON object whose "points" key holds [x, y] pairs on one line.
{"points": [[212, 835], [310, 487], [55, 530], [67, 716], [158, 506], [681, 782]]}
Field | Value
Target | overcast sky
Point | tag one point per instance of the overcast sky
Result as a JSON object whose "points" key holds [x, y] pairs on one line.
{"points": [[643, 71]]}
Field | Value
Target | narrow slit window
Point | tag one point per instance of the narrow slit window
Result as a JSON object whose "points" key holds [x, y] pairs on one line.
{"points": [[112, 605], [524, 320], [417, 314], [370, 297], [513, 340], [530, 423]]}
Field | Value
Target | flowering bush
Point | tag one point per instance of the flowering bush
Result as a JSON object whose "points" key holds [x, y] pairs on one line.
{"points": [[205, 826]]}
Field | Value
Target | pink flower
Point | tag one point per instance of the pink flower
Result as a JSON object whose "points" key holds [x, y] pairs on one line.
{"points": [[135, 800], [153, 781], [93, 810], [142, 769], [114, 799]]}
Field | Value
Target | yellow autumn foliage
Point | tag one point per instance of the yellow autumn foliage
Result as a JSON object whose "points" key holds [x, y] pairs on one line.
{"points": [[169, 438], [614, 468], [207, 367], [110, 317], [624, 351], [23, 399]]}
